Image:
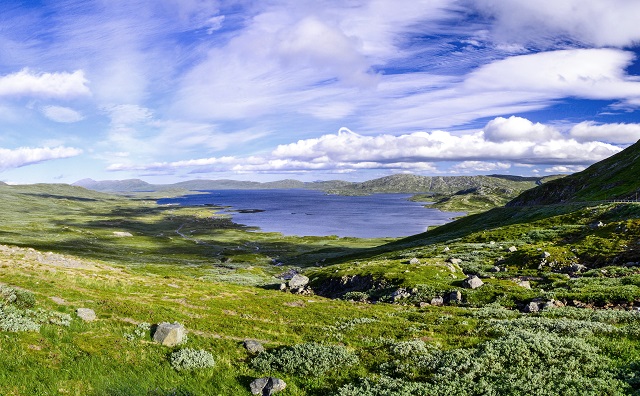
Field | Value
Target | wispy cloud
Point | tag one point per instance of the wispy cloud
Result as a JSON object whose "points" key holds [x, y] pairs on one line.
{"points": [[61, 114], [23, 156]]}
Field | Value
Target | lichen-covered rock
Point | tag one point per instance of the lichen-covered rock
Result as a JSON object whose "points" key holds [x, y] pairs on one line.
{"points": [[437, 301], [267, 386], [298, 281], [169, 334], [414, 261], [254, 347], [532, 307], [472, 282], [86, 314]]}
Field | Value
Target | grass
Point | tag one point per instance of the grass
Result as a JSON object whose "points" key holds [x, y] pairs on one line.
{"points": [[193, 266]]}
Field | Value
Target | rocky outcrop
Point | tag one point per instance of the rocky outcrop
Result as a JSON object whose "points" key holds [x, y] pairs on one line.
{"points": [[472, 282]]}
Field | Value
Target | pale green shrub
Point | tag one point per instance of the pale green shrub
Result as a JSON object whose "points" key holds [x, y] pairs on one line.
{"points": [[305, 359], [557, 326], [384, 386], [191, 359], [18, 297], [12, 319], [142, 330]]}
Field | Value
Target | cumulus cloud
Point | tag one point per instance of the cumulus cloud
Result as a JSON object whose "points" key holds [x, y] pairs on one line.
{"points": [[613, 133], [23, 156], [56, 85], [565, 169], [518, 129], [62, 114], [419, 151]]}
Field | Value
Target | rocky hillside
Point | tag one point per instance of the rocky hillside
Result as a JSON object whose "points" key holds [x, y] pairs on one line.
{"points": [[613, 178]]}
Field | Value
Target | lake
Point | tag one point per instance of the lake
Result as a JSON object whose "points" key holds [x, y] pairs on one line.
{"points": [[314, 213]]}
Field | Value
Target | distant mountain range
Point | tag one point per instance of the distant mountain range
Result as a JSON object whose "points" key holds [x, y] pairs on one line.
{"points": [[400, 183]]}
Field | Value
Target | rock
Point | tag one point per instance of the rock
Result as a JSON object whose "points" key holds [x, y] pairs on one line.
{"points": [[472, 282], [574, 268], [254, 347], [267, 386], [513, 249], [298, 281], [169, 334], [492, 243], [455, 297], [495, 268], [532, 307], [86, 314], [455, 260], [282, 287], [546, 255], [446, 249], [414, 261], [426, 304], [596, 224], [524, 283], [437, 301], [122, 234], [400, 294]]}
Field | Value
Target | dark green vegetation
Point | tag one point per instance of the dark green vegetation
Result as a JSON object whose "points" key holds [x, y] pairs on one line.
{"points": [[557, 313]]}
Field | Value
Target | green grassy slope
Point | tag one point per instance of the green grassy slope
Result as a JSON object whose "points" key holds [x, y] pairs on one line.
{"points": [[613, 178]]}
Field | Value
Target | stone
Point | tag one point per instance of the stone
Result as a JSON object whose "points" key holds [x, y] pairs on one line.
{"points": [[546, 255], [455, 260], [423, 304], [400, 294], [86, 314], [524, 283], [455, 297], [437, 301], [495, 268], [283, 286], [532, 307], [414, 261], [446, 249], [267, 386], [513, 249], [169, 334], [472, 282], [122, 234], [253, 347], [298, 281]]}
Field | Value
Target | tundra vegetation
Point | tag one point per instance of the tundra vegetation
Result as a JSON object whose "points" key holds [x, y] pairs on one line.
{"points": [[556, 312]]}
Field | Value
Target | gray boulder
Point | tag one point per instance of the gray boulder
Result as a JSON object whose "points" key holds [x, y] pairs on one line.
{"points": [[472, 282], [267, 386], [400, 294], [513, 249], [437, 301], [86, 314], [455, 260], [414, 261], [455, 297], [298, 281], [170, 334], [532, 307], [254, 347]]}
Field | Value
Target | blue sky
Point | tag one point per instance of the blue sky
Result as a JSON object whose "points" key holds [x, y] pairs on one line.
{"points": [[169, 90]]}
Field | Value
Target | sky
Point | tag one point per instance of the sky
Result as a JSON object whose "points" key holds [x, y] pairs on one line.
{"points": [[173, 90]]}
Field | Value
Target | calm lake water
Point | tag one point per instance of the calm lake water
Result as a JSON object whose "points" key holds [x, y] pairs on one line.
{"points": [[309, 212]]}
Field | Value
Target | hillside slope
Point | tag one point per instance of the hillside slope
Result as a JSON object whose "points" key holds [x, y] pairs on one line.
{"points": [[613, 178]]}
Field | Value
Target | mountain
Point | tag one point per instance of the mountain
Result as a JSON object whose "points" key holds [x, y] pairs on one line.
{"points": [[114, 185], [613, 178]]}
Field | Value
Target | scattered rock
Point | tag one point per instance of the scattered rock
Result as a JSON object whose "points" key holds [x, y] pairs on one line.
{"points": [[423, 304], [437, 301], [298, 281], [546, 255], [532, 307], [86, 314], [446, 249], [254, 347], [455, 297], [169, 334], [513, 249], [414, 261], [267, 386], [400, 294], [455, 260], [524, 283], [283, 286], [495, 268], [472, 282]]}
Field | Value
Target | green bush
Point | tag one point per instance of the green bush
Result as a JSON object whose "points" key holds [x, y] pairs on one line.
{"points": [[13, 319], [191, 359], [18, 297], [384, 386], [356, 296], [308, 359], [562, 326]]}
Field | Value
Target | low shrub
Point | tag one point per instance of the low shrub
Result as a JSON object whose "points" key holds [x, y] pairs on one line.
{"points": [[12, 319], [309, 359], [17, 297], [191, 359], [561, 326], [383, 386]]}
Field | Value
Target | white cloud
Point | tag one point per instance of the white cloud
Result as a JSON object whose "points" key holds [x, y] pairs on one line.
{"points": [[417, 151], [58, 85], [480, 166], [565, 169], [600, 23], [16, 158], [62, 114], [518, 129], [612, 133], [127, 114]]}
